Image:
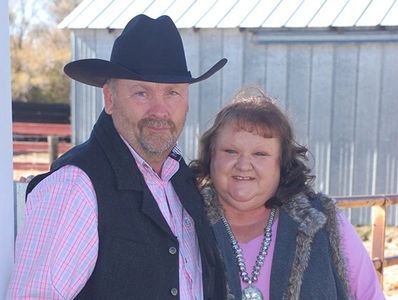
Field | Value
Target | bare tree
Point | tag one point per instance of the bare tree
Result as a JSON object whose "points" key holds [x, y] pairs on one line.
{"points": [[60, 8], [39, 49]]}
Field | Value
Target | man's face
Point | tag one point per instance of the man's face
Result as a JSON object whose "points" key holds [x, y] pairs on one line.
{"points": [[149, 116]]}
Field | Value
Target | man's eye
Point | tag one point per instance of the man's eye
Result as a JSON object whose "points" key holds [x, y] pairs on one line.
{"points": [[140, 94], [174, 93]]}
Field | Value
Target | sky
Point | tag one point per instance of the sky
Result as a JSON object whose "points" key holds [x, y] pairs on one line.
{"points": [[34, 11]]}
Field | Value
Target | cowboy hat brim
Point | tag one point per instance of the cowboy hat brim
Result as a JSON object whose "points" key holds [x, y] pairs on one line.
{"points": [[96, 72]]}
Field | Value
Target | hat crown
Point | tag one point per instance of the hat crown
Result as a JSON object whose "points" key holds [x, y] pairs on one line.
{"points": [[150, 46], [147, 50]]}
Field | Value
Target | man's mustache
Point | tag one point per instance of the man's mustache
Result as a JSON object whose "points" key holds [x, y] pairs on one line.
{"points": [[156, 123]]}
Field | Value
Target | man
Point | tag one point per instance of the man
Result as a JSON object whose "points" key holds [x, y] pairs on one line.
{"points": [[119, 217]]}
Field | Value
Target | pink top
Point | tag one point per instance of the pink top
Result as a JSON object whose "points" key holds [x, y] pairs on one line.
{"points": [[362, 277], [57, 248]]}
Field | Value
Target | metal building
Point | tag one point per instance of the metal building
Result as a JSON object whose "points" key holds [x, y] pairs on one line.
{"points": [[333, 65]]}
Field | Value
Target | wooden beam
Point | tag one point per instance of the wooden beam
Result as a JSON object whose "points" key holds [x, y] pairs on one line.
{"points": [[41, 147], [378, 237], [42, 129], [42, 167]]}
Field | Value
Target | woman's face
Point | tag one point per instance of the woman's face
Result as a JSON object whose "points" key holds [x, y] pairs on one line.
{"points": [[244, 168]]}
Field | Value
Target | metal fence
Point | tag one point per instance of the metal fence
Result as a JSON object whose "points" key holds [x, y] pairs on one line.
{"points": [[378, 204]]}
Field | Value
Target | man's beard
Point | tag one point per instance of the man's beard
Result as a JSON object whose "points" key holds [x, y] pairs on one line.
{"points": [[157, 144]]}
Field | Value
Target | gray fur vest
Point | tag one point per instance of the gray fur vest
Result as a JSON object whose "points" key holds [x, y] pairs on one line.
{"points": [[308, 261]]}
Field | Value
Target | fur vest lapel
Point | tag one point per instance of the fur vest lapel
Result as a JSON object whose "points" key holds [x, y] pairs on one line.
{"points": [[309, 220]]}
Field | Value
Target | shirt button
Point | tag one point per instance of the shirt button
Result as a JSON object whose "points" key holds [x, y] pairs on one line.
{"points": [[174, 291], [187, 222], [172, 250]]}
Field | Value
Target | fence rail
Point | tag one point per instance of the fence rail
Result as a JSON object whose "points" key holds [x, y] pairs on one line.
{"points": [[378, 204], [41, 129], [36, 166], [48, 138], [20, 147]]}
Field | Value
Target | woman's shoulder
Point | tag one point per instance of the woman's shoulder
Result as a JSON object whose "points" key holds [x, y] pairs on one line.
{"points": [[325, 204], [312, 212], [308, 204]]}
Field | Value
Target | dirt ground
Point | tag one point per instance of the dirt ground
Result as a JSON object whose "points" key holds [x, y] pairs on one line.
{"points": [[390, 273], [390, 283]]}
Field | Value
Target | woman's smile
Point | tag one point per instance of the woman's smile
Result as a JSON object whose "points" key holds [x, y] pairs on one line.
{"points": [[245, 167]]}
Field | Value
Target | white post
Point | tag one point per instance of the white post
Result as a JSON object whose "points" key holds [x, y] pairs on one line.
{"points": [[6, 183]]}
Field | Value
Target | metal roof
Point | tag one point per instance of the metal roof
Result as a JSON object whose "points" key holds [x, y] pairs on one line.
{"points": [[237, 13]]}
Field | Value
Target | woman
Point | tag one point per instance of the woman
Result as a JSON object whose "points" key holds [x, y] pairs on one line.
{"points": [[279, 239]]}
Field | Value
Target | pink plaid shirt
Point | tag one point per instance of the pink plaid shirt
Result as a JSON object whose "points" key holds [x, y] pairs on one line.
{"points": [[57, 248]]}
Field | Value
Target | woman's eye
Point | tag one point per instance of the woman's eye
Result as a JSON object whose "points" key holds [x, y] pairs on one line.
{"points": [[261, 154], [230, 151]]}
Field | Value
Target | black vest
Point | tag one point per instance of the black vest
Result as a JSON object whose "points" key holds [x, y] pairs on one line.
{"points": [[320, 279], [136, 258]]}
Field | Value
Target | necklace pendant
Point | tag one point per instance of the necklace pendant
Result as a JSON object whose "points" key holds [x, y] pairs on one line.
{"points": [[251, 293]]}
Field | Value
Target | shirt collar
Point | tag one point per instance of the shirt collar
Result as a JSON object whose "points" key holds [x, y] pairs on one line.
{"points": [[175, 153]]}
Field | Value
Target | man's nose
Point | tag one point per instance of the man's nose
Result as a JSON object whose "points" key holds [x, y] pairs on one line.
{"points": [[159, 107]]}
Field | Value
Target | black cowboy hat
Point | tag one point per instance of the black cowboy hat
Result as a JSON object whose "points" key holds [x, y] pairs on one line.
{"points": [[147, 50]]}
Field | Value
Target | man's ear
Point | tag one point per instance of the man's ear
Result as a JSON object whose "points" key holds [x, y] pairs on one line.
{"points": [[108, 98]]}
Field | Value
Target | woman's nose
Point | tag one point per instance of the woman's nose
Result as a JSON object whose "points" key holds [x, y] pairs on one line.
{"points": [[244, 163]]}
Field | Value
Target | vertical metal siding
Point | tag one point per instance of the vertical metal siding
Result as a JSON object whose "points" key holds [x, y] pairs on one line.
{"points": [[343, 119], [387, 158], [232, 73], [255, 62], [84, 96], [320, 116], [367, 112], [211, 50], [342, 99], [298, 89], [276, 73], [188, 141]]}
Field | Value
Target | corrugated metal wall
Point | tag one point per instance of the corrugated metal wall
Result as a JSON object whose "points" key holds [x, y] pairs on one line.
{"points": [[341, 95]]}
